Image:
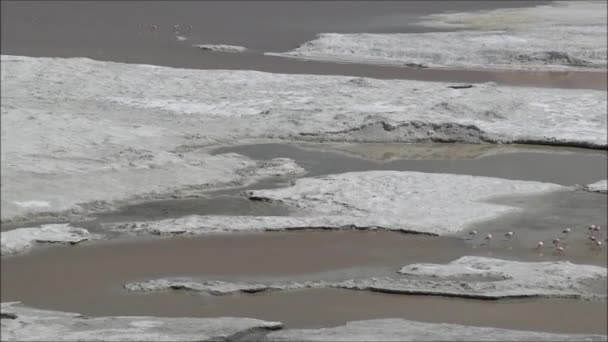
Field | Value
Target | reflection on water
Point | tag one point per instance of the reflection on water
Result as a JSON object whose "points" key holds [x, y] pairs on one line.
{"points": [[517, 163]]}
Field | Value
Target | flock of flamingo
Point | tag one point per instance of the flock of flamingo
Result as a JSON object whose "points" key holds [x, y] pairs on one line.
{"points": [[593, 232]]}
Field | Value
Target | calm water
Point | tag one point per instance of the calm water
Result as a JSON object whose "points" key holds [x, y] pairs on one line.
{"points": [[109, 31]]}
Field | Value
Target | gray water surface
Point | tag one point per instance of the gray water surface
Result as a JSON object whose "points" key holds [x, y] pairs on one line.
{"points": [[561, 168]]}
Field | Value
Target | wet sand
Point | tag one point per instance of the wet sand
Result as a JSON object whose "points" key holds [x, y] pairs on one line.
{"points": [[88, 279], [109, 31]]}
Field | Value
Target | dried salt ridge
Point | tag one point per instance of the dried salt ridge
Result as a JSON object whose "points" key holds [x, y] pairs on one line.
{"points": [[490, 278], [216, 287], [278, 167], [128, 132], [599, 186], [467, 277], [410, 201], [21, 323], [558, 36], [221, 48], [405, 330], [413, 202], [22, 239]]}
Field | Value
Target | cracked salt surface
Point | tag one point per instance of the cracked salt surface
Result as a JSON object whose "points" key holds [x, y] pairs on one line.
{"points": [[467, 277], [405, 330], [22, 239], [21, 323], [221, 48], [599, 186], [77, 157], [412, 202], [132, 131], [189, 179], [557, 36]]}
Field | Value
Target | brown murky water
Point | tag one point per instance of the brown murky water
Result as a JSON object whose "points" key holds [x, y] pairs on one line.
{"points": [[109, 31], [88, 279]]}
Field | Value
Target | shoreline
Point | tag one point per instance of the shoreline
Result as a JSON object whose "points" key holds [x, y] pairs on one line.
{"points": [[32, 31], [491, 160], [559, 79]]}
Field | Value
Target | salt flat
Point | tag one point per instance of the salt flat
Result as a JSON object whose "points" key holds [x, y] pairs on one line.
{"points": [[130, 132], [415, 202], [22, 239], [599, 186], [21, 323], [569, 35], [467, 277], [81, 136], [404, 330]]}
